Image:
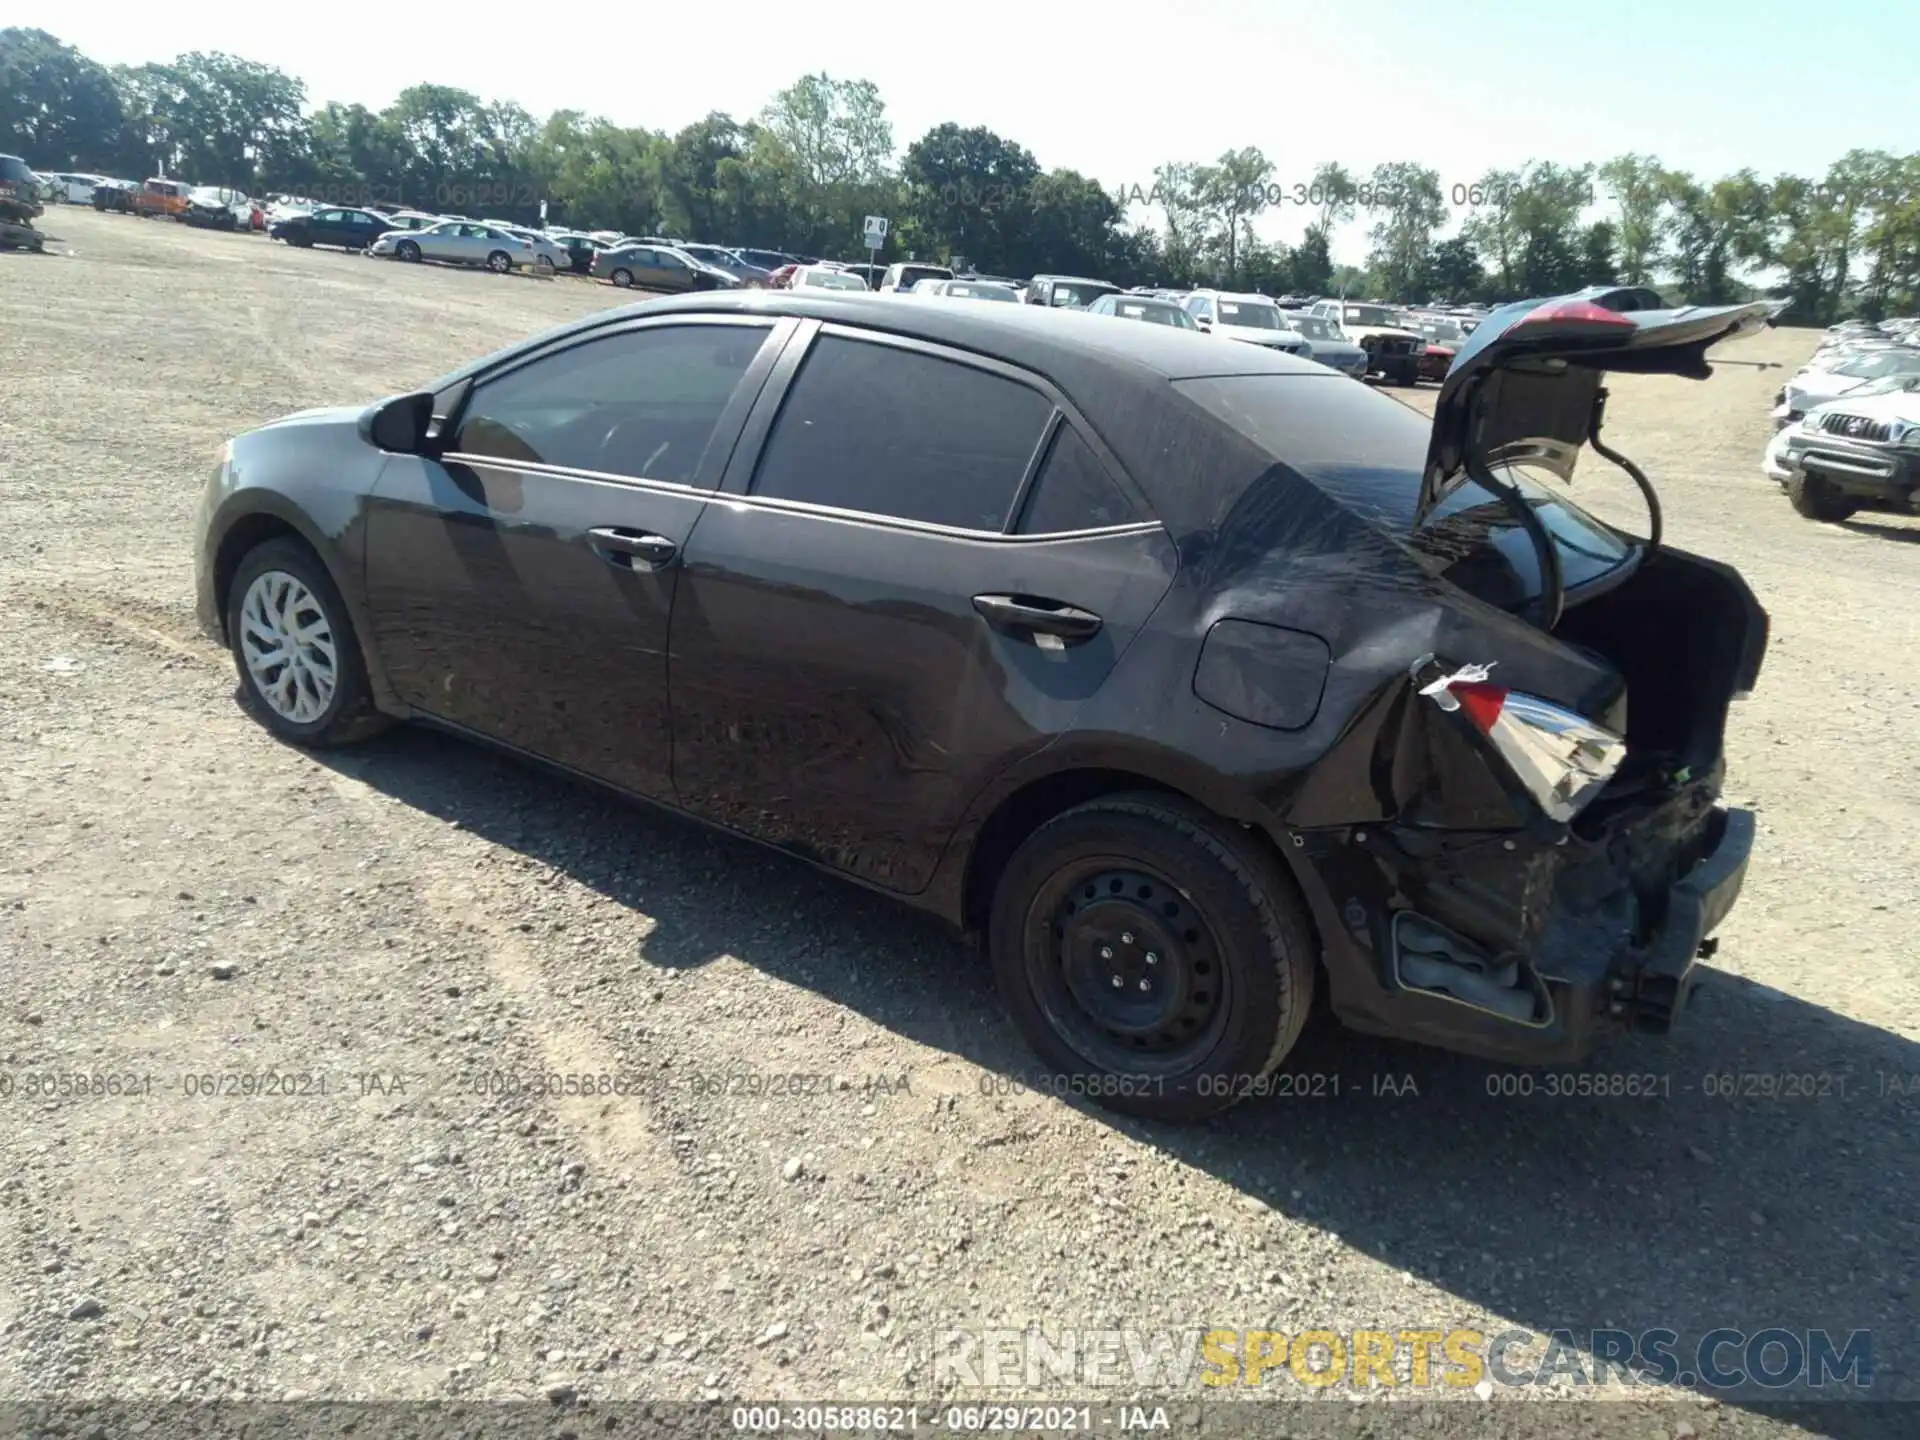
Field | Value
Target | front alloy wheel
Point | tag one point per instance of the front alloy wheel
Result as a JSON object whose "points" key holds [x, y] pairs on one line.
{"points": [[286, 644], [499, 262], [293, 643]]}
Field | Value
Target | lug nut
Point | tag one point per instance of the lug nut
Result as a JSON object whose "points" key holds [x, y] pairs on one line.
{"points": [[1118, 982], [1152, 958], [1145, 986], [1106, 952], [1126, 937]]}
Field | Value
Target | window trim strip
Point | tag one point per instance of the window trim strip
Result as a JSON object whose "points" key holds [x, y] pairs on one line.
{"points": [[806, 508]]}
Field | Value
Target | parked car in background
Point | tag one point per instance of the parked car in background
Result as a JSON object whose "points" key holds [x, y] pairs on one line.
{"points": [[20, 200], [459, 242], [1074, 292], [1815, 387], [1252, 318], [820, 277], [412, 220], [217, 208], [1392, 350], [162, 199], [1148, 308], [906, 274], [1860, 451], [1232, 733], [115, 195], [782, 279], [768, 260], [754, 277], [69, 187], [872, 274], [968, 290], [656, 267], [345, 227], [580, 249], [1326, 344], [549, 255], [1444, 336]]}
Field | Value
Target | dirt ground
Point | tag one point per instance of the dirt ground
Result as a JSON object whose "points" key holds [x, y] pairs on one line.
{"points": [[408, 930]]}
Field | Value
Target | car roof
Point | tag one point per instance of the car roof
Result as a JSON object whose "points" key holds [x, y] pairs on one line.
{"points": [[1077, 280], [1117, 375]]}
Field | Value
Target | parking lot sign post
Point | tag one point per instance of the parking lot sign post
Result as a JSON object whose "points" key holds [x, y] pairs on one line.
{"points": [[876, 233]]}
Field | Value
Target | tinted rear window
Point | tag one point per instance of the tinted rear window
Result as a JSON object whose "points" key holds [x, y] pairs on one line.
{"points": [[1364, 449], [888, 431]]}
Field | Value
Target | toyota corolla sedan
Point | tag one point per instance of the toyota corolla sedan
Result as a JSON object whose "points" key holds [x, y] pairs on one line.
{"points": [[1193, 679]]}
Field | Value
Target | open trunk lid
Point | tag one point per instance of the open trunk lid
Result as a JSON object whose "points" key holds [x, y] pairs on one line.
{"points": [[1525, 386]]}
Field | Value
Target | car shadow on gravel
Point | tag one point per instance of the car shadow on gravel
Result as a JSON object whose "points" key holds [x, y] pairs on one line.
{"points": [[1756, 1171], [1879, 528]]}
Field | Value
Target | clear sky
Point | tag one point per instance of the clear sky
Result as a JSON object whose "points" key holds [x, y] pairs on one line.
{"points": [[1459, 85]]}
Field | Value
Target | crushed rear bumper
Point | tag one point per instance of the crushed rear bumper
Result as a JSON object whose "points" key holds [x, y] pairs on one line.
{"points": [[1604, 945]]}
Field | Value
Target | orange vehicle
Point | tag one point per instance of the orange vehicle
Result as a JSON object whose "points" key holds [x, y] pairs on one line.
{"points": [[162, 197]]}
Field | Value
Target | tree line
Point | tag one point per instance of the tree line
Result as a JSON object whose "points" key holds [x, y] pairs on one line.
{"points": [[821, 155]]}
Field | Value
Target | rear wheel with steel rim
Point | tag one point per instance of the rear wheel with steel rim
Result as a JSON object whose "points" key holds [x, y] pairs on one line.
{"points": [[407, 250], [293, 643], [499, 262], [543, 266], [622, 278], [1153, 954]]}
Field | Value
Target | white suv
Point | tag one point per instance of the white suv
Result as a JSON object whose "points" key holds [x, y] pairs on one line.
{"points": [[1252, 318]]}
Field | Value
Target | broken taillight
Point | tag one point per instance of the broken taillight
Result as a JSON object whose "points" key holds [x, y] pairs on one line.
{"points": [[1561, 758]]}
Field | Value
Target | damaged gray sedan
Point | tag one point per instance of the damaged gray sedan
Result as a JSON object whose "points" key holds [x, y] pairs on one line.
{"points": [[1193, 678]]}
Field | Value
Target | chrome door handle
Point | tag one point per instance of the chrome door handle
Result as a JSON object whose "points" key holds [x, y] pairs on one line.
{"points": [[633, 549]]}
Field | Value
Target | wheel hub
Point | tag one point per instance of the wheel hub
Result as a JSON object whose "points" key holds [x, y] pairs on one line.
{"points": [[1136, 961], [286, 643]]}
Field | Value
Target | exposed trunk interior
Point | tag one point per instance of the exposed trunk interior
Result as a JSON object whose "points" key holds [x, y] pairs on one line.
{"points": [[1686, 634]]}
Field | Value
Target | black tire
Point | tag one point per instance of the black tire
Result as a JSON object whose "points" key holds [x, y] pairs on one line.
{"points": [[622, 278], [1816, 499], [349, 714], [499, 262], [1107, 886], [408, 251]]}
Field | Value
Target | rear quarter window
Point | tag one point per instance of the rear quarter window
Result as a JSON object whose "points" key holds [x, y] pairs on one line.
{"points": [[1073, 491]]}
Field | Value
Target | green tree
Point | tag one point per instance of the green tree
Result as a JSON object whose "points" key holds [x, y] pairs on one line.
{"points": [[1453, 272], [1635, 183], [58, 109], [1234, 190], [967, 194], [1493, 229], [1069, 225], [1312, 264], [1406, 198], [1177, 191], [1597, 243], [1332, 195]]}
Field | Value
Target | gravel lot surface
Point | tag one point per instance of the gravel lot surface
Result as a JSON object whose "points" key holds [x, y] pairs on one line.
{"points": [[401, 928]]}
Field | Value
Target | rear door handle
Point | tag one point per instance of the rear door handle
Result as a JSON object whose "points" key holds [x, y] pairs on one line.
{"points": [[633, 549], [1030, 616]]}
